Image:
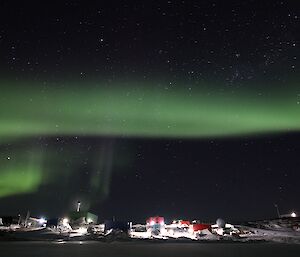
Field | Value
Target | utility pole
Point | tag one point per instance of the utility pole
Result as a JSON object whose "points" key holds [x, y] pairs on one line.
{"points": [[277, 209], [19, 220], [27, 218], [78, 206]]}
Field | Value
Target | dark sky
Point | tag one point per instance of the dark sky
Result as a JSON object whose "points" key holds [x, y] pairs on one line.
{"points": [[56, 58]]}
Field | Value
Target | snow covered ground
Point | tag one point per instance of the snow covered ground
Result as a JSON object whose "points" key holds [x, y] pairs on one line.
{"points": [[145, 249]]}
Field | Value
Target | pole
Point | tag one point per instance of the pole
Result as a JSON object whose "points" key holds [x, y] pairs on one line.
{"points": [[277, 209], [78, 206]]}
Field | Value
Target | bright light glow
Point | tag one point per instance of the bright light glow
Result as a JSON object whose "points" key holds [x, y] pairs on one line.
{"points": [[82, 230], [152, 222], [42, 220], [293, 215], [65, 221], [89, 220]]}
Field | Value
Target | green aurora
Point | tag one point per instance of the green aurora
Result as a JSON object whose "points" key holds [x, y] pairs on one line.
{"points": [[139, 110], [19, 180], [23, 174], [29, 110]]}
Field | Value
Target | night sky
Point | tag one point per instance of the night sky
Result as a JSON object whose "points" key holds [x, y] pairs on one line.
{"points": [[185, 109]]}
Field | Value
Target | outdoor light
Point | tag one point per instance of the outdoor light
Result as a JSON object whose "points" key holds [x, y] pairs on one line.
{"points": [[293, 215], [42, 220], [82, 230], [65, 221], [89, 220]]}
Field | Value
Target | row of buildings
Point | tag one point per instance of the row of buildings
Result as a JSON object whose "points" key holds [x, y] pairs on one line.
{"points": [[81, 223]]}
